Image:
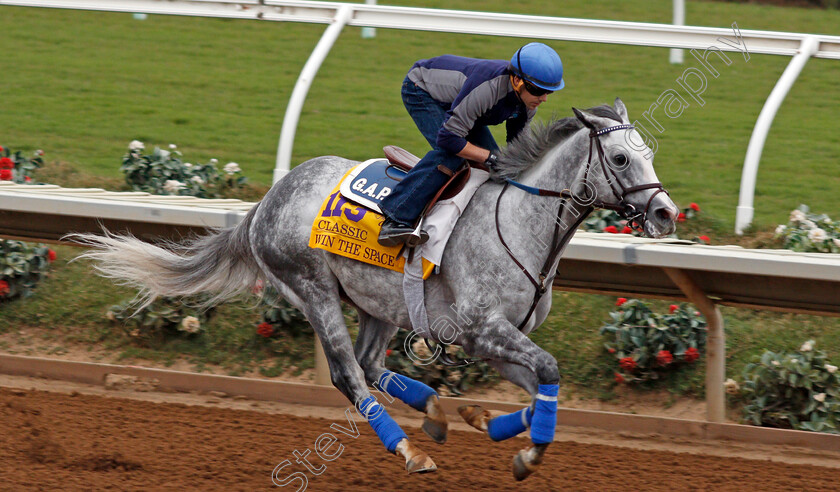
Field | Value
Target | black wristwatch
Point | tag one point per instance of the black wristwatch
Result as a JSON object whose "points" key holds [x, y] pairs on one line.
{"points": [[491, 161]]}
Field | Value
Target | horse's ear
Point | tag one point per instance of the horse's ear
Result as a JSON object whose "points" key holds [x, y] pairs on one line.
{"points": [[590, 120], [621, 109]]}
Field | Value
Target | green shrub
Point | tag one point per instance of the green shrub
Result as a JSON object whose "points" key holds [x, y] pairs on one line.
{"points": [[164, 318], [645, 343], [17, 168], [22, 266], [792, 390], [810, 232], [163, 172], [279, 317], [419, 365]]}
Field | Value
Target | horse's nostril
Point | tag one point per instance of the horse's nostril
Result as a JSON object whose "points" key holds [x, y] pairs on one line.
{"points": [[666, 213]]}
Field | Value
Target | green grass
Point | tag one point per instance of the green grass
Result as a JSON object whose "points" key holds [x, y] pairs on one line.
{"points": [[81, 85]]}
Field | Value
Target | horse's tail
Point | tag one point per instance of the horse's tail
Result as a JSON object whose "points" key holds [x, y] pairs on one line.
{"points": [[220, 263]]}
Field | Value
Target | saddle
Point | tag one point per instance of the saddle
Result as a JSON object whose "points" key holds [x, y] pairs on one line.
{"points": [[405, 160]]}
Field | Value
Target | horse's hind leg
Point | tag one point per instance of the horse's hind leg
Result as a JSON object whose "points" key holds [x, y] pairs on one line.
{"points": [[319, 301], [371, 345]]}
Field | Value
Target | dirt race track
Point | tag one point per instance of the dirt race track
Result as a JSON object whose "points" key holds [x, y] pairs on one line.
{"points": [[77, 441]]}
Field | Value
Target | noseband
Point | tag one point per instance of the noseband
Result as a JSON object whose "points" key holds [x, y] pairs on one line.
{"points": [[635, 219]]}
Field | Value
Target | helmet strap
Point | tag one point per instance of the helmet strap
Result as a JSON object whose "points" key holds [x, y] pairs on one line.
{"points": [[517, 88]]}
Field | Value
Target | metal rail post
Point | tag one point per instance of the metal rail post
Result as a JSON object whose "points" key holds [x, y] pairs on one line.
{"points": [[676, 55], [744, 212], [715, 344], [304, 81]]}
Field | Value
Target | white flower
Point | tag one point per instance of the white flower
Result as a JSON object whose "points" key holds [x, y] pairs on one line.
{"points": [[420, 350], [136, 146], [731, 386], [781, 229], [797, 216], [820, 397], [775, 363], [172, 186], [830, 368], [173, 146], [190, 324], [232, 167], [817, 235], [188, 165], [836, 242], [197, 179], [807, 346], [214, 161]]}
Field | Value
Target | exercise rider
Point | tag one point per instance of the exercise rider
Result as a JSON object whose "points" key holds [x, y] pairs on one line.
{"points": [[452, 100]]}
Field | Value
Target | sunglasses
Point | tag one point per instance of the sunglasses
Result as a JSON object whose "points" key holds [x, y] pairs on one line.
{"points": [[536, 91]]}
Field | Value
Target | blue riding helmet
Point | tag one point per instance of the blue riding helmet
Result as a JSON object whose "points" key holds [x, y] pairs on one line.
{"points": [[540, 65]]}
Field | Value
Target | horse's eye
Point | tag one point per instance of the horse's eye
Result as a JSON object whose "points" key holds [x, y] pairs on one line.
{"points": [[620, 160]]}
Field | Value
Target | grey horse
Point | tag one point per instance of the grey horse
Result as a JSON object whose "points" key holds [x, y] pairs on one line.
{"points": [[502, 255]]}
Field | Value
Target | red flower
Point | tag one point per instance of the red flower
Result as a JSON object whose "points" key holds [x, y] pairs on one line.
{"points": [[388, 353], [620, 301], [611, 350], [681, 217], [619, 378], [627, 363], [258, 287], [27, 179], [51, 256], [691, 354], [6, 175], [695, 207], [672, 308], [627, 230], [664, 357], [1, 148], [611, 229], [705, 239], [7, 163], [4, 288], [265, 329]]}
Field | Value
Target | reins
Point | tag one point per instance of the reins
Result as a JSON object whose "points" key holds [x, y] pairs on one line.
{"points": [[634, 219]]}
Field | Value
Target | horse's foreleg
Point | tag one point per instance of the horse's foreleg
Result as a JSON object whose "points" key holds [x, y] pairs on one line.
{"points": [[371, 346], [501, 341]]}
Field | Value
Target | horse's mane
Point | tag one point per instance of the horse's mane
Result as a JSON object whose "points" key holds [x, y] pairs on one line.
{"points": [[532, 144]]}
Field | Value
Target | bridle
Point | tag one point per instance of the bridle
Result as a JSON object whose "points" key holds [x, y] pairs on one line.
{"points": [[635, 219]]}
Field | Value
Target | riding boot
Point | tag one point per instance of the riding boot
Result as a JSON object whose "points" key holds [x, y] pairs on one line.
{"points": [[394, 233]]}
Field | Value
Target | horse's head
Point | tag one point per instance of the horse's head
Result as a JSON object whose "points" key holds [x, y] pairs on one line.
{"points": [[619, 174]]}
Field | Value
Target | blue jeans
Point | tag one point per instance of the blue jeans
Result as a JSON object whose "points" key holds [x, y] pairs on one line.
{"points": [[410, 196]]}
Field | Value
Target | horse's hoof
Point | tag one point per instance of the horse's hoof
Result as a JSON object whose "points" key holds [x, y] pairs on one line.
{"points": [[422, 464], [435, 424], [475, 416], [416, 461], [527, 461]]}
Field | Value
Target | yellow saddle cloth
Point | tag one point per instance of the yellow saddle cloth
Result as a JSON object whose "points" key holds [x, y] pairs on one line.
{"points": [[351, 230]]}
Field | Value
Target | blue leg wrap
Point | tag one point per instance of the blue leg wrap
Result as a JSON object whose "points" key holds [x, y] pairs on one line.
{"points": [[386, 429], [545, 414], [411, 392], [506, 426]]}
